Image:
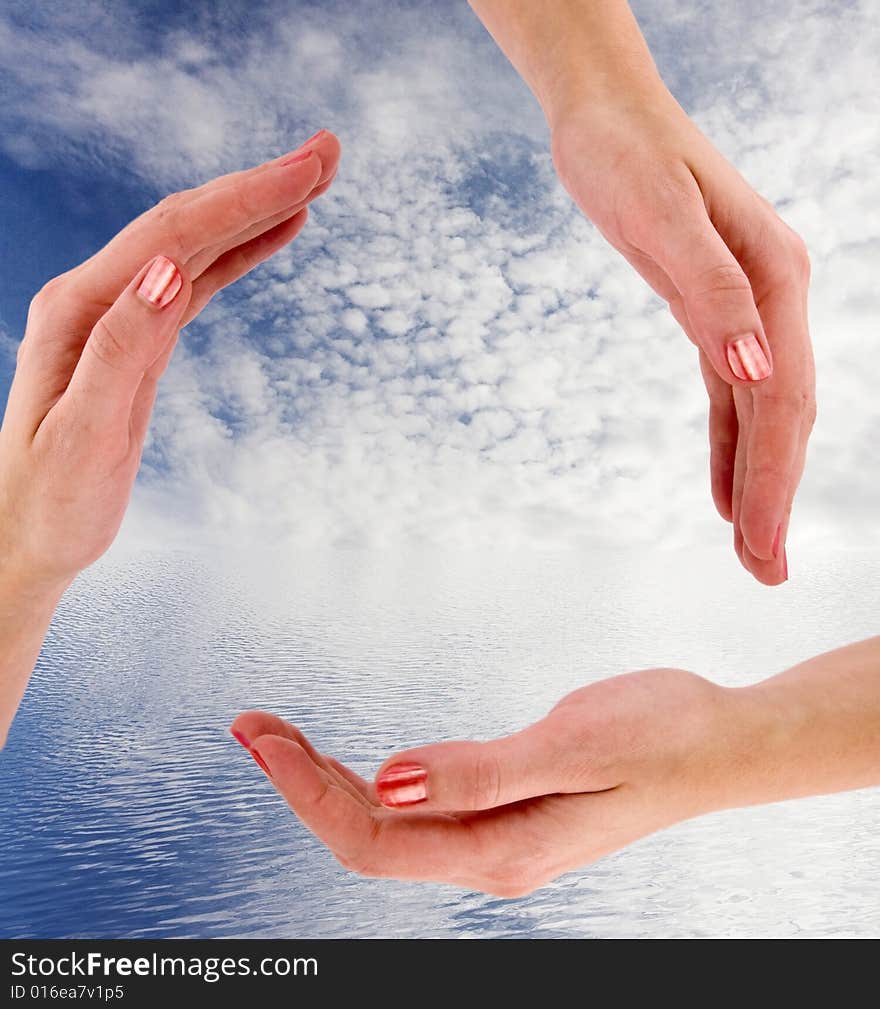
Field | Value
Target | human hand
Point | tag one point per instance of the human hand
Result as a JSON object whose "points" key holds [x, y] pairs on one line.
{"points": [[98, 339], [735, 277], [611, 763]]}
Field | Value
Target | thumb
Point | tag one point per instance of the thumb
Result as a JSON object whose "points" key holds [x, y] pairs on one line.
{"points": [[717, 297], [126, 341], [468, 775]]}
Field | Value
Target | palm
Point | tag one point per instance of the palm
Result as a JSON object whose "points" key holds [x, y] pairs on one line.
{"points": [[507, 816]]}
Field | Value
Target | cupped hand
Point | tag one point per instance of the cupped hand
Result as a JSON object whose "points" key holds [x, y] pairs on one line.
{"points": [[611, 763], [98, 339], [735, 277]]}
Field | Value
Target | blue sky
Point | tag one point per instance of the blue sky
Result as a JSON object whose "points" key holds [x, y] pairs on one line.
{"points": [[450, 352]]}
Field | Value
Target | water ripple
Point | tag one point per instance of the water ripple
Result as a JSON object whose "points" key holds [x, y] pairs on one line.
{"points": [[130, 811]]}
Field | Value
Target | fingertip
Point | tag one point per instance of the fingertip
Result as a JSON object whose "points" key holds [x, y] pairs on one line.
{"points": [[759, 538], [759, 518], [738, 546], [770, 573], [280, 752], [722, 490], [292, 770], [245, 724], [328, 144], [307, 168], [254, 723], [240, 737], [724, 509]]}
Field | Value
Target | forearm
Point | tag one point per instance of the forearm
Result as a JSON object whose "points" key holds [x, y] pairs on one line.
{"points": [[571, 51], [25, 614], [812, 730]]}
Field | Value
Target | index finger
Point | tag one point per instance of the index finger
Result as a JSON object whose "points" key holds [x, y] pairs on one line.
{"points": [[374, 843]]}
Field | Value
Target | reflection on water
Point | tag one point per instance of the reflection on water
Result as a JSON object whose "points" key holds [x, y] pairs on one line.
{"points": [[129, 811]]}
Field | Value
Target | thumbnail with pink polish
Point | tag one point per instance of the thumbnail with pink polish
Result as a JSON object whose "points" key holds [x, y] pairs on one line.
{"points": [[161, 283], [402, 785], [747, 359]]}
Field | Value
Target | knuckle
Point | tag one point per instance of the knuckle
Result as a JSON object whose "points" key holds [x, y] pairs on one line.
{"points": [[765, 474], [789, 259], [799, 254], [486, 780], [170, 202], [48, 294], [723, 278], [364, 859], [657, 207], [672, 198], [242, 203], [110, 342], [795, 404], [166, 217]]}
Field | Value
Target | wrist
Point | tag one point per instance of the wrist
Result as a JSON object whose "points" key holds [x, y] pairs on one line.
{"points": [[21, 576], [586, 86], [754, 739], [24, 589]]}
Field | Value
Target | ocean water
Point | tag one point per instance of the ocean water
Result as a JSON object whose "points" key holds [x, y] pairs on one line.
{"points": [[128, 810]]}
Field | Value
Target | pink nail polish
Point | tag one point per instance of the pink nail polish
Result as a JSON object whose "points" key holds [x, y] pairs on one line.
{"points": [[161, 283], [298, 158], [255, 754], [747, 359], [240, 738], [402, 785], [776, 541], [314, 136]]}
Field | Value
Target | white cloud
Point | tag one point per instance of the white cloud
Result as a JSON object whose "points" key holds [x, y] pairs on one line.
{"points": [[8, 346], [450, 352]]}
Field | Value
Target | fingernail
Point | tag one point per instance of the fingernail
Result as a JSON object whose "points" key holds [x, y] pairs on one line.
{"points": [[747, 359], [161, 283], [301, 154], [402, 785], [785, 563], [297, 158], [776, 541], [239, 737], [256, 755]]}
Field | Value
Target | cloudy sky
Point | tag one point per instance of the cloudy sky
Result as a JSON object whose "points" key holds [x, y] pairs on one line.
{"points": [[450, 353]]}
